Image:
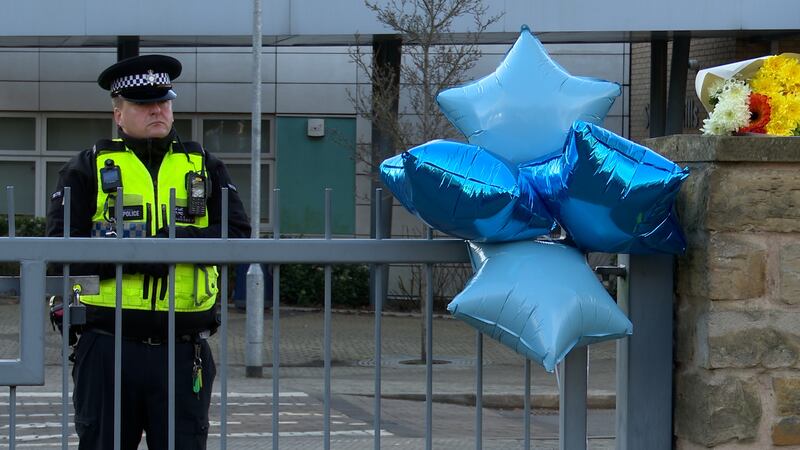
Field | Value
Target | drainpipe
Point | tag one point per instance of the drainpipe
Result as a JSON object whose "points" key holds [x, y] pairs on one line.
{"points": [[127, 47]]}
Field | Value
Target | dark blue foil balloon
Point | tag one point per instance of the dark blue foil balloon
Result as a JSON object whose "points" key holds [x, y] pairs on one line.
{"points": [[610, 194], [465, 191]]}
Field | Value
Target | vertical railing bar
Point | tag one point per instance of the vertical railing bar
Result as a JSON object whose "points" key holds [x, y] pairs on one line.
{"points": [[327, 331], [118, 206], [223, 384], [12, 417], [527, 405], [276, 329], [429, 351], [12, 229], [479, 391], [378, 342], [65, 320], [171, 334], [572, 399], [65, 325], [623, 260], [12, 402]]}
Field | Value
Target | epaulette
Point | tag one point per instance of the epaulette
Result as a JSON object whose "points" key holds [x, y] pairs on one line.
{"points": [[107, 145]]}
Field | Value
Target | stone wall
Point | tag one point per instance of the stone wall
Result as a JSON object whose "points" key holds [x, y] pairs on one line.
{"points": [[737, 309]]}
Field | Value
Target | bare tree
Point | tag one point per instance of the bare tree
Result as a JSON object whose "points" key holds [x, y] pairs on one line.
{"points": [[436, 58], [425, 55]]}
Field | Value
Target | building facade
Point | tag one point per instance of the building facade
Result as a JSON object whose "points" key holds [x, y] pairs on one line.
{"points": [[51, 108]]}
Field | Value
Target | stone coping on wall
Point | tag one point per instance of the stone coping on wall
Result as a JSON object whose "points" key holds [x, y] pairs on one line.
{"points": [[692, 148]]}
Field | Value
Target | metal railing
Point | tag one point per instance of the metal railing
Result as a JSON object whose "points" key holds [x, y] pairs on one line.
{"points": [[34, 253]]}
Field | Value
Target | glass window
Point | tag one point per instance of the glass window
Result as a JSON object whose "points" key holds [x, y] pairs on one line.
{"points": [[17, 133], [51, 170], [232, 135], [240, 174], [184, 128], [22, 176], [75, 134]]}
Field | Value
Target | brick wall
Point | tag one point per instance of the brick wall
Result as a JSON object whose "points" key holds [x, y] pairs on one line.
{"points": [[707, 52]]}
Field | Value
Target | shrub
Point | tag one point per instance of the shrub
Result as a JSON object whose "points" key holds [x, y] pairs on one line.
{"points": [[24, 226], [304, 285]]}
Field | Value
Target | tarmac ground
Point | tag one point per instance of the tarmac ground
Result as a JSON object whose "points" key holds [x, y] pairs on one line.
{"points": [[301, 383]]}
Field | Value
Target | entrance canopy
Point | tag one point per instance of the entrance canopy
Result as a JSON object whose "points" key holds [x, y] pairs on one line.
{"points": [[56, 23]]}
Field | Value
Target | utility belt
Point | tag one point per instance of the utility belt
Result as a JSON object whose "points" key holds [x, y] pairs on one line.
{"points": [[155, 341], [196, 339]]}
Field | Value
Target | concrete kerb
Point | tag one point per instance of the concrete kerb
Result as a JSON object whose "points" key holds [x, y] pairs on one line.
{"points": [[594, 400]]}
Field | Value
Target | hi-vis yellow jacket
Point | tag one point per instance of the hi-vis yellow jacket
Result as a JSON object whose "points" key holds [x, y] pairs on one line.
{"points": [[145, 209]]}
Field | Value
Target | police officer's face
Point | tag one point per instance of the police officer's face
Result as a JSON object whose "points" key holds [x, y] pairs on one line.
{"points": [[145, 120]]}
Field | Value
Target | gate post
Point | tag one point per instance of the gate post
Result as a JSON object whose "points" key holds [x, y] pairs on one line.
{"points": [[644, 360]]}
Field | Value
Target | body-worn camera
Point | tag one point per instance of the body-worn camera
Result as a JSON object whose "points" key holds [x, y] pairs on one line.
{"points": [[110, 177]]}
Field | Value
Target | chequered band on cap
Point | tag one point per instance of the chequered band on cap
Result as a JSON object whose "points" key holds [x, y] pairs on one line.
{"points": [[144, 79]]}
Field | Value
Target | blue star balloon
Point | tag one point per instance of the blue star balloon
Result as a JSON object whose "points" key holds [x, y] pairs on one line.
{"points": [[525, 108], [466, 192], [610, 194], [541, 299]]}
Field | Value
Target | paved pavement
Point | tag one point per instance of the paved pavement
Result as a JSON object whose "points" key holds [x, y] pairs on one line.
{"points": [[301, 384]]}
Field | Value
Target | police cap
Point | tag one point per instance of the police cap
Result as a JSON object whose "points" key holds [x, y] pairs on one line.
{"points": [[142, 79]]}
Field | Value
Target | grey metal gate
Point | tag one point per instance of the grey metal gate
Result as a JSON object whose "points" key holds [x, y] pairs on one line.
{"points": [[644, 360]]}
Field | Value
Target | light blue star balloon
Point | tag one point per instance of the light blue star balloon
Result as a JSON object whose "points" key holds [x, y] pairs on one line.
{"points": [[466, 192], [541, 299], [610, 194], [525, 108]]}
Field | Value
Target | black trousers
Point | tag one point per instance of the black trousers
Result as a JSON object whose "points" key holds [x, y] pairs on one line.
{"points": [[145, 394]]}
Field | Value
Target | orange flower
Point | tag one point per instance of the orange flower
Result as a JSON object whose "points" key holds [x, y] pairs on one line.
{"points": [[759, 114]]}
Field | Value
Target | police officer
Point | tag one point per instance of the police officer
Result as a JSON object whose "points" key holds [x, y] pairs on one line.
{"points": [[147, 160]]}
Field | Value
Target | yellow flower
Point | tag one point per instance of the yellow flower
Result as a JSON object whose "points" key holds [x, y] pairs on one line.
{"points": [[766, 86], [793, 106], [793, 79], [779, 79], [778, 75], [780, 123]]}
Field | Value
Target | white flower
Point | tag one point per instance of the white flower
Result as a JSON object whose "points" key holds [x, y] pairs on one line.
{"points": [[735, 89], [732, 110], [716, 88], [714, 128]]}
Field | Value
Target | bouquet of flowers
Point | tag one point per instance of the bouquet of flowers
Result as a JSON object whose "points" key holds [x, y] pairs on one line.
{"points": [[760, 95]]}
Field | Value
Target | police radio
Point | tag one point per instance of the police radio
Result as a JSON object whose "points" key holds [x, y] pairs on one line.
{"points": [[196, 187], [110, 177]]}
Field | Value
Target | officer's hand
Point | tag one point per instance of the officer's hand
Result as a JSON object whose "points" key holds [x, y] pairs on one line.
{"points": [[153, 269]]}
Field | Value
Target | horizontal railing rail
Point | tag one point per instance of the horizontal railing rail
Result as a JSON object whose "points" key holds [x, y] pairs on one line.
{"points": [[231, 251]]}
